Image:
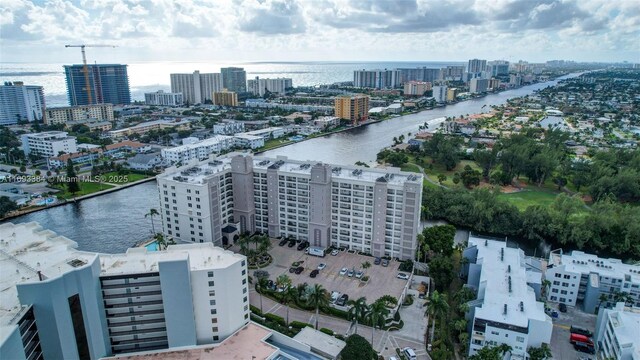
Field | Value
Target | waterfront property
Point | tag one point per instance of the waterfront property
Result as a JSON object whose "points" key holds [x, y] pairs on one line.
{"points": [[589, 282], [354, 108], [369, 210], [505, 310], [64, 115], [48, 143], [108, 83], [19, 102], [617, 333], [99, 305]]}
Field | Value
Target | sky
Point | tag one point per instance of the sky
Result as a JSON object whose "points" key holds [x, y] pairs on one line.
{"points": [[36, 31]]}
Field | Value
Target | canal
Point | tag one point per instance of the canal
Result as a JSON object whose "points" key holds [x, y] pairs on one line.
{"points": [[113, 222]]}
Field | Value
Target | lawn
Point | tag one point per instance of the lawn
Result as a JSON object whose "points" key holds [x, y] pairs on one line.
{"points": [[410, 168], [526, 198], [114, 178], [273, 143], [85, 189]]}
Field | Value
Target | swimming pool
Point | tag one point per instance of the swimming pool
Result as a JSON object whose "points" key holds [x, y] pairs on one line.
{"points": [[152, 246]]}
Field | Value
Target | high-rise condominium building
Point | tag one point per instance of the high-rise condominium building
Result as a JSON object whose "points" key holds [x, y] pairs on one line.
{"points": [[369, 210], [452, 73], [376, 79], [63, 115], [476, 67], [589, 282], [421, 74], [259, 86], [196, 88], [225, 98], [354, 108], [440, 93], [416, 88], [499, 67], [109, 83], [478, 85], [48, 144], [162, 98], [505, 310], [61, 303], [19, 102], [234, 79]]}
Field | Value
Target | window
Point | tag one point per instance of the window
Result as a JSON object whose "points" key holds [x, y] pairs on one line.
{"points": [[244, 291], [212, 302], [212, 293], [494, 332], [214, 311], [214, 320], [246, 316], [244, 281], [214, 329], [558, 275], [519, 339], [245, 299], [246, 307], [210, 274], [244, 272], [215, 338], [211, 283]]}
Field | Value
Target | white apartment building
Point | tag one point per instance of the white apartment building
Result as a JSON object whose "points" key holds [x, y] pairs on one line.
{"points": [[99, 305], [49, 143], [21, 102], [416, 88], [247, 141], [370, 210], [580, 279], [63, 115], [200, 150], [478, 85], [278, 86], [162, 98], [196, 88], [505, 310], [377, 79], [326, 122], [440, 93], [267, 133], [228, 127], [617, 334]]}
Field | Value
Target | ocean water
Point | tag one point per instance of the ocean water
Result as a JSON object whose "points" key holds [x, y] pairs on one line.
{"points": [[152, 76]]}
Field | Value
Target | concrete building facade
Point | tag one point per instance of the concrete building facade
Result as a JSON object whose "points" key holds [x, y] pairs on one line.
{"points": [[617, 334], [505, 310], [278, 86], [228, 127], [234, 79], [416, 88], [440, 93], [48, 144], [354, 108], [19, 102], [376, 79], [589, 282], [99, 305], [369, 210], [162, 98], [196, 88], [63, 115], [478, 85], [225, 98], [109, 84]]}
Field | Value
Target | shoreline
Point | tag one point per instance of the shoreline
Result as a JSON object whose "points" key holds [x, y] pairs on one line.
{"points": [[79, 198]]}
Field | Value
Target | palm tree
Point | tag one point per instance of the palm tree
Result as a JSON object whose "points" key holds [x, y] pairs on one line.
{"points": [[438, 307], [365, 265], [286, 297], [603, 299], [377, 311], [358, 309], [545, 287], [161, 241], [283, 281], [318, 298], [152, 212], [260, 286]]}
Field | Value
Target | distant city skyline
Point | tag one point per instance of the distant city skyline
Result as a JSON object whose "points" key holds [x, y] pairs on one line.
{"points": [[327, 30]]}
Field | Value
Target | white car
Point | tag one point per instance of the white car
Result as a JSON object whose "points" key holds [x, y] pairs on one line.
{"points": [[359, 274], [403, 276], [321, 266], [334, 252], [343, 271]]}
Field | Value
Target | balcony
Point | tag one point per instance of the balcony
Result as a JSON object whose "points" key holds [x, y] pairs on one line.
{"points": [[130, 285]]}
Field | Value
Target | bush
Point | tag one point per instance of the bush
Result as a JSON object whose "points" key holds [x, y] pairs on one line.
{"points": [[299, 324], [408, 300], [336, 312], [275, 318], [406, 266], [340, 337], [396, 316], [358, 348], [255, 310], [327, 331], [365, 278]]}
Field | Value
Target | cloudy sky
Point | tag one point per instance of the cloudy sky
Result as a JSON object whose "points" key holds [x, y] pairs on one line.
{"points": [[320, 30]]}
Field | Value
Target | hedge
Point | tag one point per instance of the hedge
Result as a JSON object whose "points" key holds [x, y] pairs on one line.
{"points": [[299, 324], [255, 310], [336, 312], [327, 331], [275, 318]]}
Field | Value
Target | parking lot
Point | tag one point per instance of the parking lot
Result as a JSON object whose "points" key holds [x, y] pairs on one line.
{"points": [[561, 348], [382, 280]]}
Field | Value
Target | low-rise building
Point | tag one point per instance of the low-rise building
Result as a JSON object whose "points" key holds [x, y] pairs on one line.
{"points": [[200, 150], [588, 281], [99, 305], [326, 122], [617, 334], [145, 162], [228, 127], [162, 98], [296, 115], [267, 133], [248, 141], [48, 143], [505, 310], [64, 115], [145, 127], [89, 154], [93, 125]]}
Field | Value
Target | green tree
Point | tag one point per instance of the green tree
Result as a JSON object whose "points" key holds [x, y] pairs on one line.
{"points": [[261, 285], [470, 177], [441, 271], [283, 282], [440, 238], [377, 312], [152, 212], [318, 298], [438, 308], [442, 178], [286, 297], [6, 206], [540, 353], [73, 185], [358, 310], [357, 348]]}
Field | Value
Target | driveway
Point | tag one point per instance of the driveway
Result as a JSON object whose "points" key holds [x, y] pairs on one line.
{"points": [[561, 348]]}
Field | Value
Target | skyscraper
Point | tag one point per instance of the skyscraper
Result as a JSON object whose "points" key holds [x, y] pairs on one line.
{"points": [[476, 67], [20, 102], [196, 88], [109, 84], [377, 79], [261, 86], [234, 79]]}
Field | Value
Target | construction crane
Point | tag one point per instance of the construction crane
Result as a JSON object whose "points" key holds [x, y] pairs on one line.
{"points": [[85, 68]]}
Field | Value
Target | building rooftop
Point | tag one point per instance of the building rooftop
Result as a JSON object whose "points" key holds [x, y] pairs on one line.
{"points": [[505, 276], [582, 263], [196, 174], [26, 253], [625, 322], [320, 342], [206, 142], [50, 134], [246, 343]]}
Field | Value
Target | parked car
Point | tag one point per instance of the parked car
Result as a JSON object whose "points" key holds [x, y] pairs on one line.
{"points": [[303, 245], [321, 266], [292, 269], [283, 242], [350, 273], [334, 296], [359, 274], [562, 307], [385, 262], [582, 331], [314, 273], [377, 261], [403, 276], [409, 353], [292, 243], [342, 300], [334, 252], [343, 271], [575, 338], [584, 347], [299, 270]]}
